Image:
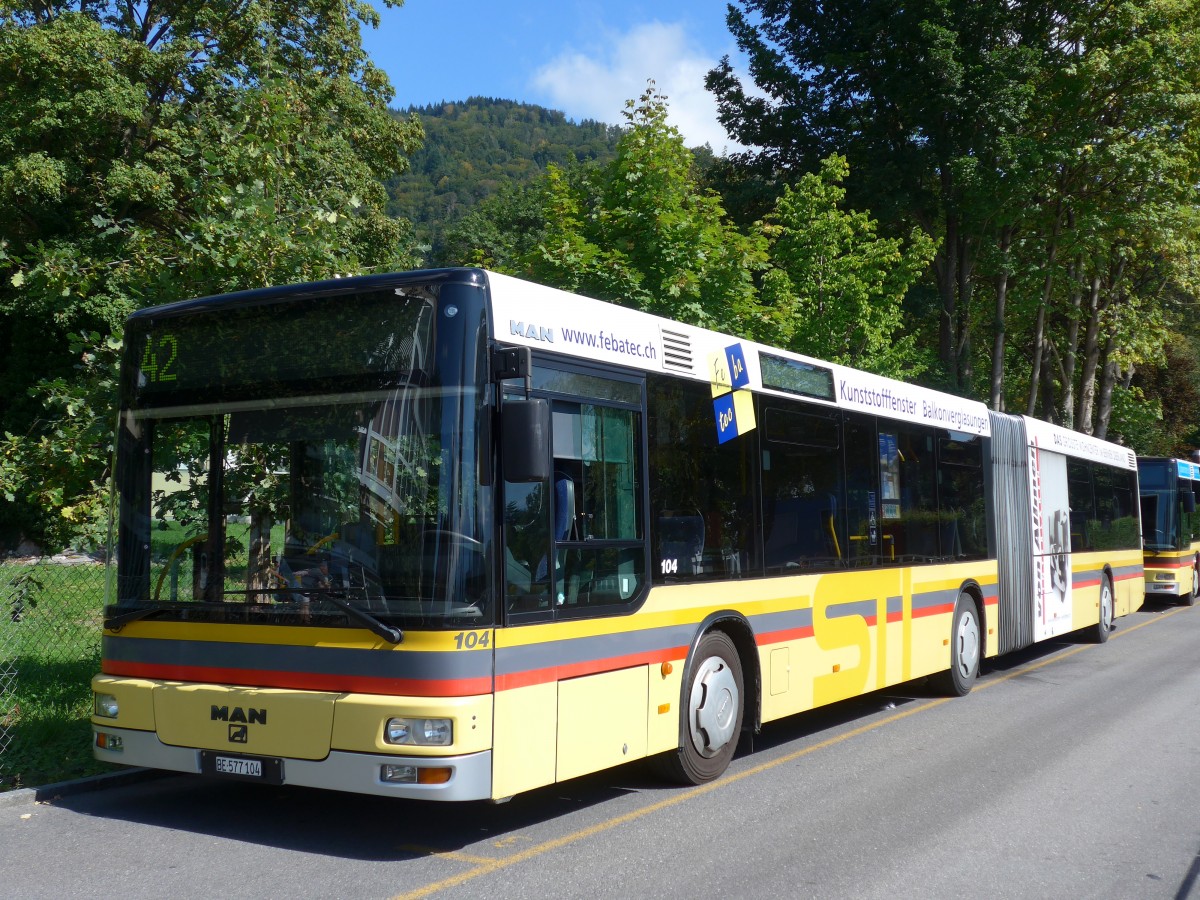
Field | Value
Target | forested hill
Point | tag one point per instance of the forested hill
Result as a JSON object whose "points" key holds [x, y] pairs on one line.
{"points": [[475, 147]]}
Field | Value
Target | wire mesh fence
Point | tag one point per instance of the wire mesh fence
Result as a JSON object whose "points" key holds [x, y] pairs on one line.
{"points": [[50, 621]]}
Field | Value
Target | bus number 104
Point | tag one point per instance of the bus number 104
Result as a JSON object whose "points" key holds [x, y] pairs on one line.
{"points": [[469, 640]]}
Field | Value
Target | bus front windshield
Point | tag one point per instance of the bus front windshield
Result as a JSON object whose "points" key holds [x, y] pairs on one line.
{"points": [[289, 500], [1159, 495]]}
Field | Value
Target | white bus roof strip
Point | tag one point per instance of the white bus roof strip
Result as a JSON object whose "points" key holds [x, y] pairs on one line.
{"points": [[549, 319], [1049, 436]]}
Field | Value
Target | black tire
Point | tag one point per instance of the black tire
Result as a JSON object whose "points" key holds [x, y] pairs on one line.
{"points": [[711, 707], [1101, 629], [966, 649]]}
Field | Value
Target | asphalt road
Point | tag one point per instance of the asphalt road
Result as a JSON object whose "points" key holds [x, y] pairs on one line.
{"points": [[1072, 770]]}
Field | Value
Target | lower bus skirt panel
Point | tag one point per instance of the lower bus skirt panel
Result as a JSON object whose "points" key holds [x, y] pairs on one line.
{"points": [[357, 773]]}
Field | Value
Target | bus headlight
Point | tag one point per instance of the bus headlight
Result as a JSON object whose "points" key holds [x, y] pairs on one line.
{"points": [[107, 706], [427, 732]]}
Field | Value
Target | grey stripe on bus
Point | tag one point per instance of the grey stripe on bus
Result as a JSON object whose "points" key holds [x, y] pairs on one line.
{"points": [[430, 665]]}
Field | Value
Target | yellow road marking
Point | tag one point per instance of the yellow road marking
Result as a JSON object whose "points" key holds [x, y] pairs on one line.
{"points": [[449, 854], [486, 866]]}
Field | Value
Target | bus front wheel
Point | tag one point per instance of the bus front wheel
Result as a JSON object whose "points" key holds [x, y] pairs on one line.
{"points": [[712, 713], [966, 648]]}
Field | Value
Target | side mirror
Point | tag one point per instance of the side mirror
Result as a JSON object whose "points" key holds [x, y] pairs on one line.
{"points": [[1189, 501], [525, 440]]}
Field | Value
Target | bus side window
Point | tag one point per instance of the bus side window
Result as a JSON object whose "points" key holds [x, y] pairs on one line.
{"points": [[801, 486], [574, 543], [693, 476], [598, 532], [865, 544], [1082, 502]]}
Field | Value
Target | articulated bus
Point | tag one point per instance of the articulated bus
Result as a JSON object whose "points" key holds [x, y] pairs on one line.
{"points": [[451, 535], [1170, 527]]}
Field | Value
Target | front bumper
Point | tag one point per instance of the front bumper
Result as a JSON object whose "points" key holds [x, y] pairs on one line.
{"points": [[357, 773], [1162, 587]]}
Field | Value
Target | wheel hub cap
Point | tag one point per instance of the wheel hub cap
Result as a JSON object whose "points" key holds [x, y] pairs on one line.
{"points": [[714, 705], [968, 644]]}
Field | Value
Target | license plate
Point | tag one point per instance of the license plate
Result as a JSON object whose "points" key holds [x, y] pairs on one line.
{"points": [[226, 766], [246, 768]]}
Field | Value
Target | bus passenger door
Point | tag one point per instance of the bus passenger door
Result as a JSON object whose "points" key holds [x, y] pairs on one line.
{"points": [[573, 548]]}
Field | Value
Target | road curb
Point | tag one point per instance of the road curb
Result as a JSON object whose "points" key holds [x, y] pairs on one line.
{"points": [[51, 792]]}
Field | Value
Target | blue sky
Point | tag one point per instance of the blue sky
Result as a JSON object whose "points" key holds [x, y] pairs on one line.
{"points": [[583, 57]]}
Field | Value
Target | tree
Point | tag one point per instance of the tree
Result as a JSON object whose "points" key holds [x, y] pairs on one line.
{"points": [[640, 231], [918, 97], [1117, 202], [153, 153], [834, 287], [1051, 150]]}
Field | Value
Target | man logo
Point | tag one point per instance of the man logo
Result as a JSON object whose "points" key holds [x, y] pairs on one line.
{"points": [[531, 331], [250, 716], [239, 734]]}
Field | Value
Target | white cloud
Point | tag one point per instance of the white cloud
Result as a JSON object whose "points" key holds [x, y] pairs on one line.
{"points": [[597, 86]]}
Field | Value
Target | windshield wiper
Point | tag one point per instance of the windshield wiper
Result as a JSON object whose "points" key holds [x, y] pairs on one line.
{"points": [[389, 633]]}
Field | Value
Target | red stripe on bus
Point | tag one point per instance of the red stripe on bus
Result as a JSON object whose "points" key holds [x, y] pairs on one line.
{"points": [[787, 634], [304, 681], [933, 610]]}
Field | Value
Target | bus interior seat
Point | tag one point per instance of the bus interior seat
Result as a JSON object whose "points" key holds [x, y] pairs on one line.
{"points": [[565, 528], [564, 507], [803, 533]]}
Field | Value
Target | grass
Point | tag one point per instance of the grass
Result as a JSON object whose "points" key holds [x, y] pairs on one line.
{"points": [[50, 626], [50, 623]]}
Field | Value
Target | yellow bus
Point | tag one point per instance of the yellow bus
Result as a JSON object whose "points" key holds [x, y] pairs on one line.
{"points": [[1170, 527], [452, 535]]}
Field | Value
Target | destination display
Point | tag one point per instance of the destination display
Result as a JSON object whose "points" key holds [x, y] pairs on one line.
{"points": [[367, 340]]}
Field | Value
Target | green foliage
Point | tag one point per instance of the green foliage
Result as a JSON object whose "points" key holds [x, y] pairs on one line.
{"points": [[502, 229], [480, 148], [62, 464], [640, 231], [1050, 150], [643, 231], [150, 154], [1159, 413], [834, 289]]}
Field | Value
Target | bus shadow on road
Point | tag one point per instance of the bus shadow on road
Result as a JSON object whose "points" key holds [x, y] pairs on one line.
{"points": [[349, 826]]}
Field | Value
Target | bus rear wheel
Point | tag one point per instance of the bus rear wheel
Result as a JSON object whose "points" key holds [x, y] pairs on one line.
{"points": [[966, 649], [712, 713], [1104, 626]]}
